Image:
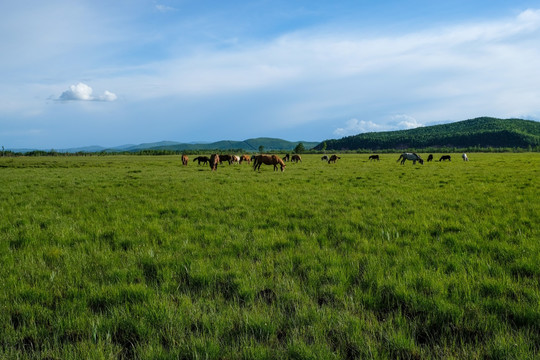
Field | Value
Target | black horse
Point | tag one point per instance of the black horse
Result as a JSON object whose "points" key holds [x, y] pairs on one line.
{"points": [[202, 159], [445, 157]]}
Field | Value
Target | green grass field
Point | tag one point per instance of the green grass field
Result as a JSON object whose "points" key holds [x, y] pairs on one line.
{"points": [[138, 257]]}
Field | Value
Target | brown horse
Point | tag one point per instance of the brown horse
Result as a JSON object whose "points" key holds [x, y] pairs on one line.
{"points": [[245, 158], [268, 160], [333, 159], [214, 161], [202, 159], [296, 158], [185, 160], [286, 157]]}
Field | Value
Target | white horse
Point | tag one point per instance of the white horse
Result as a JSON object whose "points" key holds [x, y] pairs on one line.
{"points": [[410, 156], [464, 156]]}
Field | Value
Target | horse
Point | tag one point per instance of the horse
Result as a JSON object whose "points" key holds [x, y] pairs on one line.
{"points": [[410, 156], [235, 159], [214, 161], [202, 159], [228, 158], [324, 158], [268, 160], [296, 158], [245, 158], [464, 156], [185, 160], [286, 157], [333, 159], [374, 157], [430, 157], [445, 157]]}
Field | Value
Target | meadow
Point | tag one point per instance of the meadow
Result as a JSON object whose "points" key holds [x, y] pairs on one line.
{"points": [[118, 257]]}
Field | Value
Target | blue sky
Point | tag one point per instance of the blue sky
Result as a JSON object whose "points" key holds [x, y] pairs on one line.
{"points": [[79, 73]]}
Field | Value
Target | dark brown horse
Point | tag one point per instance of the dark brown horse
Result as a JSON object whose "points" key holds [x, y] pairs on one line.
{"points": [[374, 157], [430, 158], [202, 159], [286, 157], [445, 157], [214, 161], [268, 160], [333, 159], [296, 158], [228, 158], [185, 160]]}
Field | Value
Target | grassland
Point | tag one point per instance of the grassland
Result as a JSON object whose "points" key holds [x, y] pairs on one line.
{"points": [[138, 257]]}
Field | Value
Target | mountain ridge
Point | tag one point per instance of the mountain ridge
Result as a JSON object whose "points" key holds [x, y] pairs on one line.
{"points": [[248, 145], [483, 132]]}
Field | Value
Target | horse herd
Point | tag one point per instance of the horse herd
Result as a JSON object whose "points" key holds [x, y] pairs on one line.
{"points": [[275, 160], [215, 159], [415, 157]]}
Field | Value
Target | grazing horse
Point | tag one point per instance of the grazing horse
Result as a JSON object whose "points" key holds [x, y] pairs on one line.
{"points": [[430, 157], [286, 157], [296, 158], [445, 157], [214, 161], [464, 156], [268, 160], [185, 160], [202, 159], [324, 158], [410, 156], [245, 158], [374, 157], [333, 159], [235, 159], [228, 158]]}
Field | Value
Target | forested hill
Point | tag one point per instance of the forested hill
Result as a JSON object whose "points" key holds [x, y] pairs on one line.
{"points": [[481, 132]]}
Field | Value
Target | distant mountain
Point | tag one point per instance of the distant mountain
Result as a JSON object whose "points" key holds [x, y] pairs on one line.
{"points": [[94, 148], [481, 132], [246, 145], [269, 144]]}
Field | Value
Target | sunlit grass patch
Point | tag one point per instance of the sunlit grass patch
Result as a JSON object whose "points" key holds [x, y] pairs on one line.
{"points": [[139, 257]]}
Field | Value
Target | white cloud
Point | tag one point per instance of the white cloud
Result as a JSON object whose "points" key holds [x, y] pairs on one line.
{"points": [[107, 96], [397, 122], [355, 126], [406, 122], [83, 92]]}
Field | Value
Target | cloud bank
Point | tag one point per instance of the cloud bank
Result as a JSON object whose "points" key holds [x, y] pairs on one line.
{"points": [[355, 126], [83, 92]]}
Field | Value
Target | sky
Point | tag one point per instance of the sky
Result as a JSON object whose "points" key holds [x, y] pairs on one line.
{"points": [[109, 73]]}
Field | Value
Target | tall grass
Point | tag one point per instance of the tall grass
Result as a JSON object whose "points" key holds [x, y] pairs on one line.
{"points": [[139, 257]]}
